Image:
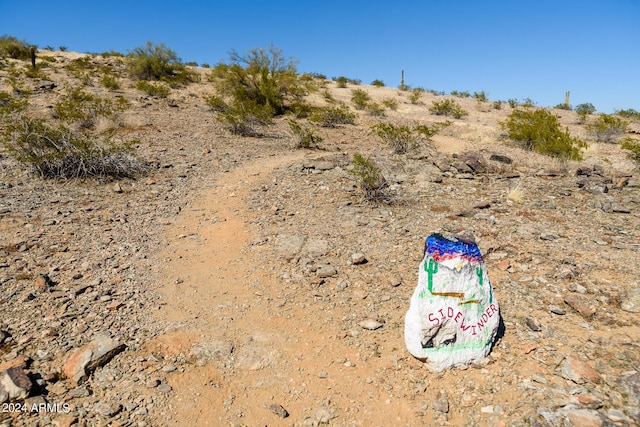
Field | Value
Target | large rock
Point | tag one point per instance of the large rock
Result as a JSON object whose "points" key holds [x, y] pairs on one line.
{"points": [[89, 357], [453, 318], [14, 384]]}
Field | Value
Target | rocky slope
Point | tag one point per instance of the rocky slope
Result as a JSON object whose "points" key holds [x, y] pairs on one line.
{"points": [[227, 286]]}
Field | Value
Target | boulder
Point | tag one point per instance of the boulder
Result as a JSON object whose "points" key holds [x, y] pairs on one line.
{"points": [[14, 384], [89, 357], [453, 317]]}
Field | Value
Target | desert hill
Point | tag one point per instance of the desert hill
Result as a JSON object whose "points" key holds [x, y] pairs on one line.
{"points": [[221, 286]]}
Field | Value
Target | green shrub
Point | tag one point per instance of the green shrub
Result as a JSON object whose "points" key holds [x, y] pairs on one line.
{"points": [[83, 109], [59, 152], [157, 62], [360, 98], [528, 102], [607, 128], [629, 113], [377, 83], [390, 103], [584, 110], [403, 137], [448, 107], [109, 82], [539, 130], [112, 54], [341, 81], [11, 47], [260, 80], [304, 137], [328, 96], [334, 116], [497, 105], [480, 96], [415, 96], [513, 103], [216, 103], [460, 94], [375, 109], [158, 89], [563, 106], [632, 145], [370, 179], [10, 105], [245, 118]]}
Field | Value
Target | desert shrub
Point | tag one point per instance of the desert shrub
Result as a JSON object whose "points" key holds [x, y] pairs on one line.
{"points": [[528, 102], [11, 47], [191, 64], [157, 62], [415, 96], [460, 94], [390, 103], [109, 82], [370, 179], [629, 113], [360, 98], [375, 109], [328, 96], [10, 104], [245, 118], [403, 137], [584, 110], [334, 116], [480, 96], [607, 128], [158, 89], [216, 103], [205, 65], [377, 83], [111, 54], [60, 152], [303, 136], [539, 130], [513, 103], [563, 106], [632, 146], [261, 79], [448, 107], [341, 81], [83, 109], [497, 105]]}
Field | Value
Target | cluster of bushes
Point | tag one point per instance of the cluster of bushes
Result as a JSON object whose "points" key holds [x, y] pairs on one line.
{"points": [[539, 130], [157, 62], [370, 179], [448, 107], [403, 137], [607, 128], [362, 101]]}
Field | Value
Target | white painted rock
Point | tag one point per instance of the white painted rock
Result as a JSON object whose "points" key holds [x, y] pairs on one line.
{"points": [[453, 318]]}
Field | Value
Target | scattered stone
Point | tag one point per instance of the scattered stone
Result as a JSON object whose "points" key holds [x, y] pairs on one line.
{"points": [[43, 281], [323, 374], [325, 271], [278, 410], [14, 384], [631, 301], [578, 371], [500, 158], [117, 188], [3, 336], [164, 388], [583, 418], [582, 304], [557, 310], [289, 245], [65, 421], [371, 324], [617, 416], [203, 352], [441, 404], [153, 383], [91, 356], [107, 409], [533, 324], [358, 258]]}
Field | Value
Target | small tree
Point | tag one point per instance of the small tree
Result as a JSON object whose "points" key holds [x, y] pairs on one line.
{"points": [[158, 62], [584, 110], [539, 130]]}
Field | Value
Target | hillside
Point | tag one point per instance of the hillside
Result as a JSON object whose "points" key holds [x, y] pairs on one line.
{"points": [[226, 271]]}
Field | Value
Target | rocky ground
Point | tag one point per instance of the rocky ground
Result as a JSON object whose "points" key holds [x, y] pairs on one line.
{"points": [[228, 286]]}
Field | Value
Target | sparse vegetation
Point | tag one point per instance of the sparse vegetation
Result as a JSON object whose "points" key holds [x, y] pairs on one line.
{"points": [[583, 110], [513, 103], [415, 96], [480, 96], [377, 83], [539, 130], [260, 84], [303, 136], [607, 128], [448, 107], [403, 137], [460, 94], [216, 103], [370, 179], [528, 102], [158, 89], [11, 47], [629, 113], [109, 82], [157, 62], [341, 81], [80, 108], [334, 116], [497, 105], [59, 152], [360, 98], [632, 147], [390, 103]]}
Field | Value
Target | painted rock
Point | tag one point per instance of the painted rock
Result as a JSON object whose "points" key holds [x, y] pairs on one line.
{"points": [[453, 318]]}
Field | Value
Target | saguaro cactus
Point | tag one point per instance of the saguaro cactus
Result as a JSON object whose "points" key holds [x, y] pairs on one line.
{"points": [[566, 99]]}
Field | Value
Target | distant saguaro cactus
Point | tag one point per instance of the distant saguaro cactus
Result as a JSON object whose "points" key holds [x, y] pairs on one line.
{"points": [[32, 54], [566, 99]]}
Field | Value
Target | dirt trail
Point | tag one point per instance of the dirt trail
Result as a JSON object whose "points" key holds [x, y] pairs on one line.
{"points": [[222, 301]]}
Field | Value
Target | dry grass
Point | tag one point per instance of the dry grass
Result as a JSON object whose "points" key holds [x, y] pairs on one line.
{"points": [[516, 194]]}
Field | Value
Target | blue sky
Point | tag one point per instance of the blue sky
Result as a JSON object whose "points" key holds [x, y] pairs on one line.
{"points": [[510, 49]]}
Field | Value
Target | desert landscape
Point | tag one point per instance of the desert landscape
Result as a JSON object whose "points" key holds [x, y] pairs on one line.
{"points": [[244, 281]]}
